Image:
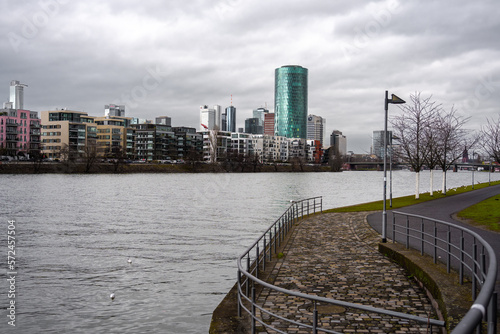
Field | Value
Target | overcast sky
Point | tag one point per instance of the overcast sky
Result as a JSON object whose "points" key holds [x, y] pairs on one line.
{"points": [[169, 57]]}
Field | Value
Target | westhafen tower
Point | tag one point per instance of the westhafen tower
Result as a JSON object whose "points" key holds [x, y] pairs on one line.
{"points": [[290, 102]]}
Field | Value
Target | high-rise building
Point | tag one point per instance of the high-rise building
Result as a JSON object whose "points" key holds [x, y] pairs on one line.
{"points": [[316, 128], [252, 126], [210, 118], [230, 119], [269, 124], [290, 101], [338, 142], [17, 94], [218, 116], [207, 118], [378, 142], [260, 114], [114, 110]]}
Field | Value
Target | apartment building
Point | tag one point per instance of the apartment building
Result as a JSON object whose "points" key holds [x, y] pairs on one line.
{"points": [[19, 133], [115, 137], [67, 134], [154, 142]]}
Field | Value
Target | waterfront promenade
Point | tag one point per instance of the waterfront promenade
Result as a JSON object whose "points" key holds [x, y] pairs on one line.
{"points": [[335, 255]]}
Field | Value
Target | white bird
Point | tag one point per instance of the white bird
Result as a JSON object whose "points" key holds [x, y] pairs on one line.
{"points": [[112, 296], [129, 261]]}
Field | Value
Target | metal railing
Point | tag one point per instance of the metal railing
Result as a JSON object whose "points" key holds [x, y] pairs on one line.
{"points": [[461, 249], [254, 260]]}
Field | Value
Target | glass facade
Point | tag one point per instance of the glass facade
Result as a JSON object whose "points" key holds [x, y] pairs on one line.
{"points": [[290, 101]]}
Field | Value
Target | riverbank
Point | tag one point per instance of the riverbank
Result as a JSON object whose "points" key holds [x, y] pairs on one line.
{"points": [[123, 168]]}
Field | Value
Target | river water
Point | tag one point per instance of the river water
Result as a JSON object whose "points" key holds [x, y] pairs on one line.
{"points": [[182, 232]]}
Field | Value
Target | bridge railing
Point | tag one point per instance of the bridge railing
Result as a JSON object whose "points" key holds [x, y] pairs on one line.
{"points": [[461, 249], [253, 261]]}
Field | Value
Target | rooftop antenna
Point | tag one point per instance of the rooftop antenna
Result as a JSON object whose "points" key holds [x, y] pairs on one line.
{"points": [[231, 100]]}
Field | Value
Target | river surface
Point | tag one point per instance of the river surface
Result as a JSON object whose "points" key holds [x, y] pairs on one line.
{"points": [[182, 232]]}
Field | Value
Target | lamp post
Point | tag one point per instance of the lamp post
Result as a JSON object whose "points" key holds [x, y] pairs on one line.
{"points": [[394, 100]]}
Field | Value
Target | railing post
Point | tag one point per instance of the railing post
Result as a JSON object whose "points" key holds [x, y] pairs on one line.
{"points": [[248, 279], [393, 227], [265, 254], [253, 309], [270, 245], [422, 236], [239, 289], [435, 242], [474, 270], [275, 240], [448, 261], [257, 260], [462, 248]]}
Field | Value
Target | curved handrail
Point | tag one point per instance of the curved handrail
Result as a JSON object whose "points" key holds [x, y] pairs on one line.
{"points": [[485, 300], [250, 275]]}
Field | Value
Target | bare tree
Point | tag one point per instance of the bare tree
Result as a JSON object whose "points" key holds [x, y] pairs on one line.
{"points": [[431, 159], [411, 129], [214, 141], [491, 138], [451, 139], [89, 155]]}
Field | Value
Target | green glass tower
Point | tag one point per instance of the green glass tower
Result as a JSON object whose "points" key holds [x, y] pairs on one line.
{"points": [[290, 102]]}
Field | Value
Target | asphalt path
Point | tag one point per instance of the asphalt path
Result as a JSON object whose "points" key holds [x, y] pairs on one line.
{"points": [[443, 209]]}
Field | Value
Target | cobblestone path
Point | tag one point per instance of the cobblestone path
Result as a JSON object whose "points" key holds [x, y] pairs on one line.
{"points": [[335, 256]]}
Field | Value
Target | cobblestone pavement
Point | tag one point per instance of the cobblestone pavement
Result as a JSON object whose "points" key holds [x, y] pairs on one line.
{"points": [[335, 256]]}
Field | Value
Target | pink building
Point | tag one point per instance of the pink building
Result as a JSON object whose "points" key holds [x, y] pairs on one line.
{"points": [[19, 133]]}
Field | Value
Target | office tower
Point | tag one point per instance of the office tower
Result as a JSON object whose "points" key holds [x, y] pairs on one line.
{"points": [[316, 128], [114, 110], [231, 119], [252, 126], [218, 115], [223, 121], [207, 118], [378, 142], [17, 94], [290, 102], [260, 114], [210, 118], [269, 124], [338, 142]]}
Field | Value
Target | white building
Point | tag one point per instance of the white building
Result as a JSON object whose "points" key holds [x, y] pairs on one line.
{"points": [[316, 128], [210, 118], [17, 94]]}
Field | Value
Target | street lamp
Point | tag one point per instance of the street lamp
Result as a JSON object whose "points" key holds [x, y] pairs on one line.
{"points": [[394, 100]]}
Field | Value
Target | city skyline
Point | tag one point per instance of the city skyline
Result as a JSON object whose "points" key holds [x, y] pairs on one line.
{"points": [[170, 58]]}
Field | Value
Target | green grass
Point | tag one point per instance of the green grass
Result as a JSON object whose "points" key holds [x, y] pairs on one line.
{"points": [[485, 214], [400, 202]]}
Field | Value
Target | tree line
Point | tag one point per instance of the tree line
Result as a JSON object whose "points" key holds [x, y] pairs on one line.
{"points": [[428, 135]]}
